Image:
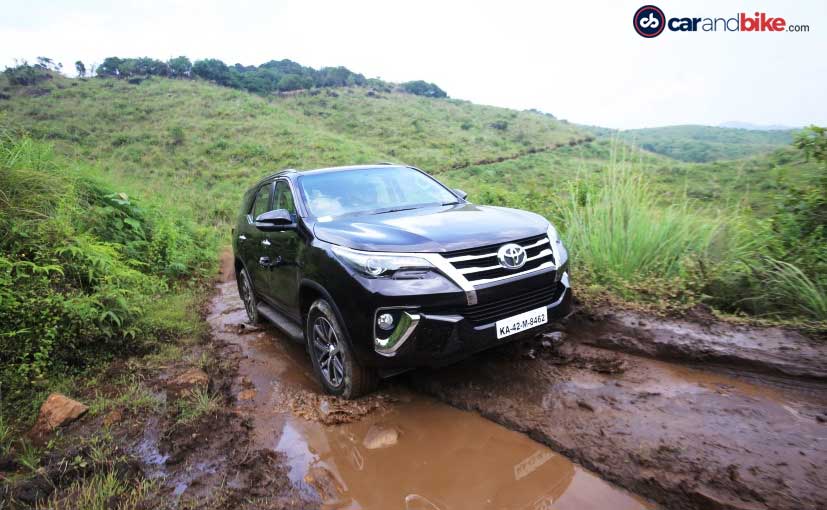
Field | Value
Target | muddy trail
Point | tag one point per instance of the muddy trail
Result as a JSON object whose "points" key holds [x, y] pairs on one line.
{"points": [[683, 436], [393, 449]]}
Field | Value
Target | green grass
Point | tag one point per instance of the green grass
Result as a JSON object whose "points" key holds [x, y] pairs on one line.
{"points": [[103, 491], [789, 284], [28, 455], [620, 228], [5, 435], [133, 396], [200, 402], [657, 229], [703, 144]]}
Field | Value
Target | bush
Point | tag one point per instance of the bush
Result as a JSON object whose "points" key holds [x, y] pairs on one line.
{"points": [[621, 234], [79, 265], [423, 88]]}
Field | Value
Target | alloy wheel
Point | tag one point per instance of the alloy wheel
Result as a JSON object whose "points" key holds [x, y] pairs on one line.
{"points": [[328, 352], [247, 295]]}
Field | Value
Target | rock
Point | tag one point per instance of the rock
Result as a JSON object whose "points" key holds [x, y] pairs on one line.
{"points": [[31, 490], [248, 394], [327, 486], [112, 417], [8, 463], [188, 381], [380, 437], [56, 411]]}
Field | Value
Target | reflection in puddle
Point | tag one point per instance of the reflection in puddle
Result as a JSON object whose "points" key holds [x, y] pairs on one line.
{"points": [[415, 454]]}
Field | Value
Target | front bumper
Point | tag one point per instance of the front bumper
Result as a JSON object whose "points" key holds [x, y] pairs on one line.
{"points": [[445, 328]]}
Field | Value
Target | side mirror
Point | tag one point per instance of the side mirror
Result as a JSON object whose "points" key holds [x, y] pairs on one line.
{"points": [[278, 219], [461, 194]]}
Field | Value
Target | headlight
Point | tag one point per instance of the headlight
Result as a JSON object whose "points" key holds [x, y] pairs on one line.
{"points": [[561, 255], [377, 265]]}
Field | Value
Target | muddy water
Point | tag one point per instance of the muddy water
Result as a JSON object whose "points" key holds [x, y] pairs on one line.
{"points": [[685, 437], [410, 452]]}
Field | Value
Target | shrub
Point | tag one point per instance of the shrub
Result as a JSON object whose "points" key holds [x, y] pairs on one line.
{"points": [[79, 265], [618, 229]]}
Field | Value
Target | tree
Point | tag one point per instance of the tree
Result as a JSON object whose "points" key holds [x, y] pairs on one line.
{"points": [[813, 142], [81, 69], [423, 88], [180, 67], [111, 66], [214, 70]]}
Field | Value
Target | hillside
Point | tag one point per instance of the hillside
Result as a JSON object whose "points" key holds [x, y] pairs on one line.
{"points": [[702, 144], [198, 146], [202, 144]]}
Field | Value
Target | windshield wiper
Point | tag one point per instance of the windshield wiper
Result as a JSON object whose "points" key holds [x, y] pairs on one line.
{"points": [[454, 202], [394, 209]]}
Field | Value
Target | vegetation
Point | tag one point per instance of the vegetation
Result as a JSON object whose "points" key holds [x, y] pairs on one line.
{"points": [[273, 76], [116, 196], [702, 144], [81, 267]]}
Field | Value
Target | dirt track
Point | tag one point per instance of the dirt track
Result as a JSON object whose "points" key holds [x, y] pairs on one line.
{"points": [[394, 449], [684, 437], [522, 420]]}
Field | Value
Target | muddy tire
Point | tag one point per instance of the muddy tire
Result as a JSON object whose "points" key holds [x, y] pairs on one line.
{"points": [[248, 295], [332, 358]]}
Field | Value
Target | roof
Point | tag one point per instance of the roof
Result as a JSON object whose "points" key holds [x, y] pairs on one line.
{"points": [[290, 171]]}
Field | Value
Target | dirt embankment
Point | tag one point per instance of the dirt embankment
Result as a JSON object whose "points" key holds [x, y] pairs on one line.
{"points": [[685, 437], [703, 339], [531, 150]]}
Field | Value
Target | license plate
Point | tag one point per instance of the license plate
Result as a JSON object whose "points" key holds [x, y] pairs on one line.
{"points": [[522, 322]]}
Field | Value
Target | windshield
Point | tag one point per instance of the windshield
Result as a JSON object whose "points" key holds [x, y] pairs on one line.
{"points": [[371, 190]]}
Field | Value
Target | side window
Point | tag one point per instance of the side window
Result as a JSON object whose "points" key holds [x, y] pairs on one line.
{"points": [[262, 201], [284, 197]]}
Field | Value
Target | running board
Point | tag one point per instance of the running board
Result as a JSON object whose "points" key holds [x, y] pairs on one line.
{"points": [[282, 322]]}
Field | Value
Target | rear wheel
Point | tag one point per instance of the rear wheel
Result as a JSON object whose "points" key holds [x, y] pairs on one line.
{"points": [[247, 295], [332, 358]]}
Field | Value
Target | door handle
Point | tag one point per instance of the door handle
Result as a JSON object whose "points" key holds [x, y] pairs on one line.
{"points": [[242, 238], [264, 262], [265, 242]]}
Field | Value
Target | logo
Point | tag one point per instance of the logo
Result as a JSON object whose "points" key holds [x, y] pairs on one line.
{"points": [[511, 256], [649, 21]]}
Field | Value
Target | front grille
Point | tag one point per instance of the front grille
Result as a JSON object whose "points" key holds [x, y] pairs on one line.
{"points": [[505, 307], [480, 265]]}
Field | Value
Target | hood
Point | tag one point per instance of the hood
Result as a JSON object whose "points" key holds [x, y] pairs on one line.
{"points": [[432, 229]]}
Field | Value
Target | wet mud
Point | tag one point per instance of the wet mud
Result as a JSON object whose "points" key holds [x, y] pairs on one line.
{"points": [[685, 437], [701, 338], [393, 449]]}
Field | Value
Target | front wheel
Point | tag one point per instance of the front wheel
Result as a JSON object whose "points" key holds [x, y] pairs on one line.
{"points": [[332, 358], [247, 295]]}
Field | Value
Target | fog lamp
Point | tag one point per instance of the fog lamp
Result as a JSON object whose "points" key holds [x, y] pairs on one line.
{"points": [[385, 321]]}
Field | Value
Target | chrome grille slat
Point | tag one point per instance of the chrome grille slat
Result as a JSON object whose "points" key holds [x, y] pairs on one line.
{"points": [[464, 258], [471, 270], [479, 266]]}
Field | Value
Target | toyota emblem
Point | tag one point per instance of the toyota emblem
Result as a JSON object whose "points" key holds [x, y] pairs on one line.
{"points": [[511, 256]]}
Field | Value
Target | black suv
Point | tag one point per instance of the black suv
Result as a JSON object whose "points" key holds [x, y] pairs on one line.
{"points": [[381, 268]]}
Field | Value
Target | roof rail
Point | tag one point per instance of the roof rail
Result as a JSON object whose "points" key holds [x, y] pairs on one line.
{"points": [[276, 174]]}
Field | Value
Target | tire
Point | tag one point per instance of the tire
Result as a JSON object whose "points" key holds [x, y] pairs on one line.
{"points": [[333, 361], [248, 296]]}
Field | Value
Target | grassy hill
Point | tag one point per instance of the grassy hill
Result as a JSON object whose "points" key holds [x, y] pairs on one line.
{"points": [[148, 176], [701, 144]]}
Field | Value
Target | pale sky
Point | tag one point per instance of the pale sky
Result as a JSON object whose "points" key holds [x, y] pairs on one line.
{"points": [[579, 60]]}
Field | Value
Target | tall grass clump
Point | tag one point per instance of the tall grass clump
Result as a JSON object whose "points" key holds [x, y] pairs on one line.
{"points": [[619, 230], [80, 264]]}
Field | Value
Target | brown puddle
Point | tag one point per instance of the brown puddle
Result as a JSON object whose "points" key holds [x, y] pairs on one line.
{"points": [[410, 452]]}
